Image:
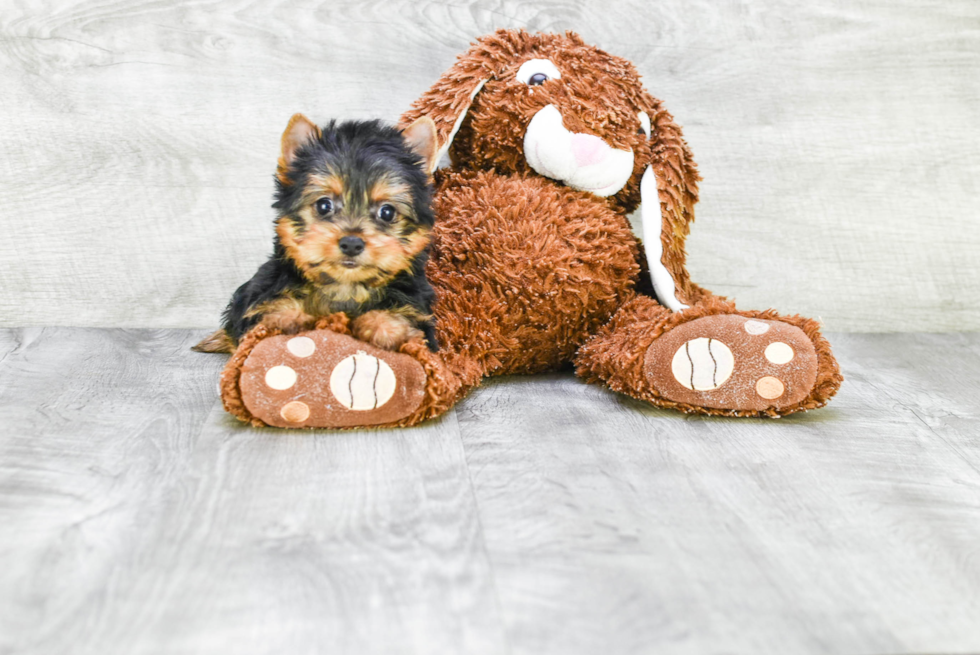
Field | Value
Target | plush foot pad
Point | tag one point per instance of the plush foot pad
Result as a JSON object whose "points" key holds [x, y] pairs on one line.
{"points": [[328, 380], [732, 362]]}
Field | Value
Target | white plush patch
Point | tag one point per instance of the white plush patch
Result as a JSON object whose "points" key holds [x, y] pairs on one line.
{"points": [[582, 161], [301, 346], [444, 150], [280, 378], [644, 122], [362, 382], [653, 225], [529, 68], [756, 327], [779, 353], [703, 364]]}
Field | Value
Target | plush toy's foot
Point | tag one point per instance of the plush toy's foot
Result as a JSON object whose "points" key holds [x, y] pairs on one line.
{"points": [[713, 359], [325, 379], [732, 362]]}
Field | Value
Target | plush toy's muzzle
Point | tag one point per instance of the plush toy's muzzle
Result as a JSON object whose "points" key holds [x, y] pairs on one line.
{"points": [[582, 161]]}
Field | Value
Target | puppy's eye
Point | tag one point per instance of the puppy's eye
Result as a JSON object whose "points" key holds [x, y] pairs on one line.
{"points": [[323, 206], [387, 213], [535, 72]]}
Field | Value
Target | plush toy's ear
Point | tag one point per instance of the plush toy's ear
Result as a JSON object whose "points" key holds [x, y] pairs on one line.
{"points": [[668, 192], [421, 137], [447, 102], [299, 131]]}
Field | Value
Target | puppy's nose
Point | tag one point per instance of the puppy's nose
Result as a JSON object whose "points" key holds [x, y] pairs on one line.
{"points": [[352, 246]]}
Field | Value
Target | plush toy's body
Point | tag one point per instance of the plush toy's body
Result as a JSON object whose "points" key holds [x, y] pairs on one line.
{"points": [[553, 143]]}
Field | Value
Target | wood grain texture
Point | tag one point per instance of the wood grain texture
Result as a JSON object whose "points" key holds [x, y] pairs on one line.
{"points": [[613, 527], [96, 426], [542, 516], [837, 142], [140, 518]]}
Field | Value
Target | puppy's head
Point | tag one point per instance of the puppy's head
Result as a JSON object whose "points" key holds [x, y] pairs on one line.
{"points": [[354, 198]]}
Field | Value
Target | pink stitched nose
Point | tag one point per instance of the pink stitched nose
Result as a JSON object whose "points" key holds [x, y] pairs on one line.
{"points": [[588, 149]]}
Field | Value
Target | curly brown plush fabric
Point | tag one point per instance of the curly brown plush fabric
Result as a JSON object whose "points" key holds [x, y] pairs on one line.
{"points": [[516, 296]]}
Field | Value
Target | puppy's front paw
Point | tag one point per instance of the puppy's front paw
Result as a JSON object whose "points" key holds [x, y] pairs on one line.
{"points": [[384, 330], [289, 322]]}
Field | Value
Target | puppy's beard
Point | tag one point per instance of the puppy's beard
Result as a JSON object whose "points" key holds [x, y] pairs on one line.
{"points": [[341, 270]]}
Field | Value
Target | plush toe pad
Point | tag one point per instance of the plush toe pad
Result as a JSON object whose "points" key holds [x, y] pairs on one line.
{"points": [[731, 362], [328, 380]]}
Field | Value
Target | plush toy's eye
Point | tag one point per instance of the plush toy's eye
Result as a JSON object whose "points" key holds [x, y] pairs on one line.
{"points": [[537, 71], [323, 206], [387, 213]]}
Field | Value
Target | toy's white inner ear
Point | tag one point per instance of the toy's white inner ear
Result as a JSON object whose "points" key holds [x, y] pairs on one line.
{"points": [[533, 66], [582, 161], [644, 122], [444, 150], [653, 226]]}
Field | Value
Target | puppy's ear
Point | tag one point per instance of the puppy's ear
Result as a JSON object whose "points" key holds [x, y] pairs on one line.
{"points": [[300, 131], [422, 139]]}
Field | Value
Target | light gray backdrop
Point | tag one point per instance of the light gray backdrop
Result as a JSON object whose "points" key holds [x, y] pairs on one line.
{"points": [[838, 142]]}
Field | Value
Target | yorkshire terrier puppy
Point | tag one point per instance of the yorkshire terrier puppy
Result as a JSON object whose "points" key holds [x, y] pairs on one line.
{"points": [[352, 236]]}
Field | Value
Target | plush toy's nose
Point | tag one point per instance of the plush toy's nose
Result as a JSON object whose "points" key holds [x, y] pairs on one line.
{"points": [[588, 149]]}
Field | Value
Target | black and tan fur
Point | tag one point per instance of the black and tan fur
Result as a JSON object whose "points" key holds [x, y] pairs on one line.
{"points": [[352, 236]]}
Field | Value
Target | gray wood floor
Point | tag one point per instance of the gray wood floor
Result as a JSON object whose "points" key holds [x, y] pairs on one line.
{"points": [[541, 516]]}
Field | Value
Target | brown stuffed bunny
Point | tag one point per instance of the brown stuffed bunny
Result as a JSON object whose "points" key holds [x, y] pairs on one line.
{"points": [[553, 143]]}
